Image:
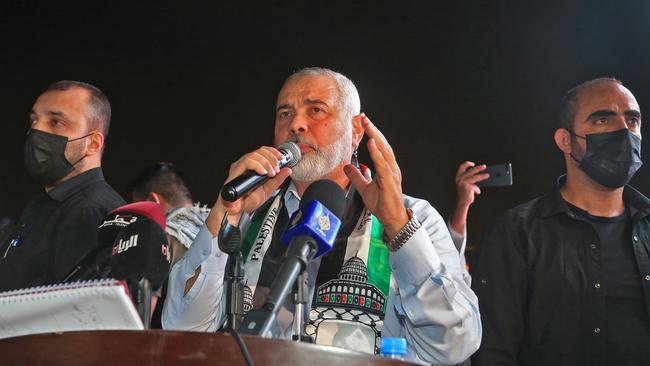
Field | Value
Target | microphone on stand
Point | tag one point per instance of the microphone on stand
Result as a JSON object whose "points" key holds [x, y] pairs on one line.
{"points": [[230, 240], [96, 264], [249, 180], [311, 233], [140, 255]]}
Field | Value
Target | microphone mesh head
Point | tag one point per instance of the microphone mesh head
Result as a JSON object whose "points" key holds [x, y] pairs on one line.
{"points": [[293, 149], [328, 193], [232, 242], [141, 250]]}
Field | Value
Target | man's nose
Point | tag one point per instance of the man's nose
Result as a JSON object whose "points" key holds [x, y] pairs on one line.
{"points": [[299, 124], [620, 122]]}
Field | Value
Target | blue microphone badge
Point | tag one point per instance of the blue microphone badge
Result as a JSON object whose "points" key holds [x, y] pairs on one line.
{"points": [[315, 221]]}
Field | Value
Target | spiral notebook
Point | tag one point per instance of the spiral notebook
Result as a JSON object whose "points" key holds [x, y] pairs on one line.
{"points": [[88, 305]]}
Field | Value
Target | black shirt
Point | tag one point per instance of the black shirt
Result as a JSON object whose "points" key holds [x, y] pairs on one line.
{"points": [[541, 284], [627, 325], [56, 230], [620, 274]]}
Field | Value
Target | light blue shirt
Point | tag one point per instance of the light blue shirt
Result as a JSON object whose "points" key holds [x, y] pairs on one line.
{"points": [[429, 302]]}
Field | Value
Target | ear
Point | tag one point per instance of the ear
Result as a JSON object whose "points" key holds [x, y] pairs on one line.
{"points": [[96, 143], [563, 140], [155, 197], [357, 130]]}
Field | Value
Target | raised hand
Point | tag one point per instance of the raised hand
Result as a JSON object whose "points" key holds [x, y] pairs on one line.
{"points": [[467, 176], [383, 195]]}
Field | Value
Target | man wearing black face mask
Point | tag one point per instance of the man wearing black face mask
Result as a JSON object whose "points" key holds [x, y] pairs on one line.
{"points": [[565, 279], [63, 150]]}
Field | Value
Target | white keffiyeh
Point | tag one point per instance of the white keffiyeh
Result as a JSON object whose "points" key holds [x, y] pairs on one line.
{"points": [[184, 223]]}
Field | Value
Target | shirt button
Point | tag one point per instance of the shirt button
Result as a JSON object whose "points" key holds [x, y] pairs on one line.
{"points": [[596, 330], [597, 285], [647, 277], [635, 238], [593, 246]]}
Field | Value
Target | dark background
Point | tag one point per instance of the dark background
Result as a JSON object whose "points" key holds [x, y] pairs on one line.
{"points": [[195, 82]]}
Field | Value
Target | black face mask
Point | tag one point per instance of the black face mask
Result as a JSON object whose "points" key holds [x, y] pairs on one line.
{"points": [[45, 156], [611, 158]]}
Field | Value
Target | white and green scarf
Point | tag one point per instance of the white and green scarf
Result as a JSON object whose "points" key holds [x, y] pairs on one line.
{"points": [[353, 280]]}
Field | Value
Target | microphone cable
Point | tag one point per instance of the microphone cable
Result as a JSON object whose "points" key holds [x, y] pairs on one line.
{"points": [[242, 347]]}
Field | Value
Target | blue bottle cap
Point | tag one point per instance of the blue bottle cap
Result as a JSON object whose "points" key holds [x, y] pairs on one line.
{"points": [[393, 346]]}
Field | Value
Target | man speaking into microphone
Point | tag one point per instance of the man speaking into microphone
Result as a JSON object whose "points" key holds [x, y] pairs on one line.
{"points": [[393, 271]]}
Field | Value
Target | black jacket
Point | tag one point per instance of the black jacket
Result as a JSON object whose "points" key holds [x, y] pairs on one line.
{"points": [[56, 230], [537, 276]]}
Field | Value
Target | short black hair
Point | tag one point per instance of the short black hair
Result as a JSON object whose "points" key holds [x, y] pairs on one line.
{"points": [[162, 178], [99, 106], [569, 102]]}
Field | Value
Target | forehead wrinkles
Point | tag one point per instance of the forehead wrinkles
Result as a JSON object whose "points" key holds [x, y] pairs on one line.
{"points": [[608, 96], [299, 97], [296, 91]]}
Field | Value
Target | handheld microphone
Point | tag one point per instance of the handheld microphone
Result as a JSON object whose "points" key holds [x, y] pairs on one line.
{"points": [[249, 180], [311, 233], [96, 264]]}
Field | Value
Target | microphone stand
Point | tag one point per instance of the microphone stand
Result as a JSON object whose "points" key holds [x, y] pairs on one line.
{"points": [[230, 243], [145, 289], [261, 322], [234, 290], [300, 301], [142, 297]]}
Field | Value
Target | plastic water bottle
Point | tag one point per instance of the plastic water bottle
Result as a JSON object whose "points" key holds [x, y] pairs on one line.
{"points": [[394, 348]]}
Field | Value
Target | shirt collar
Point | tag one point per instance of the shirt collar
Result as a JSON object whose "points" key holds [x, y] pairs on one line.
{"points": [[64, 190], [637, 200], [291, 199], [555, 204]]}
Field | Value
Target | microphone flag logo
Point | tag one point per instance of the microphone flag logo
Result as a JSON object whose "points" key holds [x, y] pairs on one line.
{"points": [[324, 222], [316, 221]]}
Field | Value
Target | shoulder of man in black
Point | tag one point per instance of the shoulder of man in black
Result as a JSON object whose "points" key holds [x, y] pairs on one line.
{"points": [[88, 189], [639, 203], [82, 211], [57, 230], [522, 216], [500, 278]]}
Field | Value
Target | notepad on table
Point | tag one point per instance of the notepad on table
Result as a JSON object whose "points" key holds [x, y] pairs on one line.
{"points": [[88, 305]]}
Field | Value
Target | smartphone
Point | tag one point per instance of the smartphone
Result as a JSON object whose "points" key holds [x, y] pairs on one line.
{"points": [[500, 176]]}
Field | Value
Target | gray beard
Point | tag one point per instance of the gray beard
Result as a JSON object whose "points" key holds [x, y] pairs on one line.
{"points": [[322, 161]]}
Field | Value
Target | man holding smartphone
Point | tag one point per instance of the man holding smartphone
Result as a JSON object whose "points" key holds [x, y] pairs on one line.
{"points": [[467, 179], [565, 278]]}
